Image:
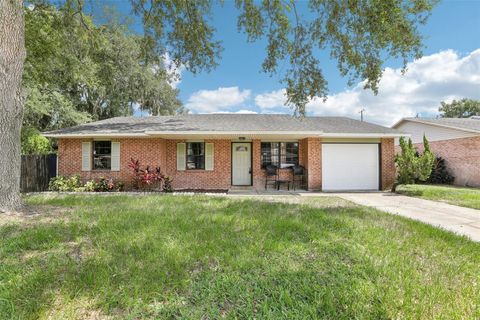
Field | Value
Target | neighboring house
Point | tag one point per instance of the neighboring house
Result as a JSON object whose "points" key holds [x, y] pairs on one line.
{"points": [[457, 140], [218, 151]]}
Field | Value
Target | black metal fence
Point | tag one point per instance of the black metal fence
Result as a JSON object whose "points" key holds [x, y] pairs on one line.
{"points": [[37, 170]]}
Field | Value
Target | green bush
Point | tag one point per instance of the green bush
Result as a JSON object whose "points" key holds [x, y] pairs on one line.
{"points": [[440, 173], [412, 166], [34, 143], [73, 184], [62, 183], [90, 186]]}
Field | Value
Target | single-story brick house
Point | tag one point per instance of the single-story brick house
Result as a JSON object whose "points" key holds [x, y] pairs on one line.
{"points": [[457, 140], [218, 151]]}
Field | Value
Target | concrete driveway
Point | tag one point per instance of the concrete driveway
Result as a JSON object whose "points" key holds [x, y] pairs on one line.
{"points": [[463, 221]]}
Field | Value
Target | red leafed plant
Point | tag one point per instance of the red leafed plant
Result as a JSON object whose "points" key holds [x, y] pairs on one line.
{"points": [[149, 178]]}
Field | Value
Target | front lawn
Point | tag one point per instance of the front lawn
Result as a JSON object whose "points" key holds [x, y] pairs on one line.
{"points": [[199, 257], [464, 197]]}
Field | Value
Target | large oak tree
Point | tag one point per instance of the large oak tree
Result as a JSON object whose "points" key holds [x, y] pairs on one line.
{"points": [[12, 56], [359, 34]]}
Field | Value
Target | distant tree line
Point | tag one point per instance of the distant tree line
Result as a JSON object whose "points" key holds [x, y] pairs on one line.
{"points": [[464, 108]]}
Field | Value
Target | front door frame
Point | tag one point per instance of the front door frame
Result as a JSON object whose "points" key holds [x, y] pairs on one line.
{"points": [[251, 163]]}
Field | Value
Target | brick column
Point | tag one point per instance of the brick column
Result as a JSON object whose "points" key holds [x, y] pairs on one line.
{"points": [[257, 172], [312, 160], [388, 169]]}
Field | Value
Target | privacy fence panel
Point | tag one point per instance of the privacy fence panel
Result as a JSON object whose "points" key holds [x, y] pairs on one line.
{"points": [[37, 170]]}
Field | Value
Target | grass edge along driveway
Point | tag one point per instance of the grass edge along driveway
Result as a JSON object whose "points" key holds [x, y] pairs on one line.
{"points": [[463, 197], [195, 257]]}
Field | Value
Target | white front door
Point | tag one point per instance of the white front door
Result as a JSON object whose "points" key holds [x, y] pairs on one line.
{"points": [[350, 167], [241, 164]]}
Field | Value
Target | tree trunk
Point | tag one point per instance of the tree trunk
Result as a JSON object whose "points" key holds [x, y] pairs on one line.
{"points": [[12, 56]]}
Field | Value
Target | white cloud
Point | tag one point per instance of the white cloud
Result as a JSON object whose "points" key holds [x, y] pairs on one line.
{"points": [[243, 111], [434, 78], [271, 100], [219, 100]]}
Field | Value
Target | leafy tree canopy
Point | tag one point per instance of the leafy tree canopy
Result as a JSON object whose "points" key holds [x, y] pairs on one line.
{"points": [[360, 35], [97, 72], [464, 108], [77, 71]]}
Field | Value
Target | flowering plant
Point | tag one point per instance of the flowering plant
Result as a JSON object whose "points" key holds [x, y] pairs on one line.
{"points": [[148, 178]]}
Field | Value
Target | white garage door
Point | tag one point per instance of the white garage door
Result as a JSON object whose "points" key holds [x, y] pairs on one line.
{"points": [[350, 167]]}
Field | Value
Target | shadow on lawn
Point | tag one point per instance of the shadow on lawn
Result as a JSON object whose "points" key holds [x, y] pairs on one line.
{"points": [[168, 257]]}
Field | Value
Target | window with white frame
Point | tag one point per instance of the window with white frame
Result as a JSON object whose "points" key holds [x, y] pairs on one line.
{"points": [[195, 155], [102, 155]]}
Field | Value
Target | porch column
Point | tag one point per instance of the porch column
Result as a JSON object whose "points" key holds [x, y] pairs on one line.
{"points": [[258, 175], [312, 158]]}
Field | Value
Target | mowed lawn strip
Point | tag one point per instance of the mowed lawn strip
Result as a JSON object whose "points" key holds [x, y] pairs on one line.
{"points": [[193, 257], [464, 197]]}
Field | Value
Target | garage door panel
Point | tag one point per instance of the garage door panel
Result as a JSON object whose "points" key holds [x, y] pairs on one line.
{"points": [[350, 167]]}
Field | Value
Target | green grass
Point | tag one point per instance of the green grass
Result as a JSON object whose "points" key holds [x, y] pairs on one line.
{"points": [[171, 257], [464, 197]]}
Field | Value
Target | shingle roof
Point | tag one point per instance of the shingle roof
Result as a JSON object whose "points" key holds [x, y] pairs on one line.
{"points": [[458, 123], [217, 123]]}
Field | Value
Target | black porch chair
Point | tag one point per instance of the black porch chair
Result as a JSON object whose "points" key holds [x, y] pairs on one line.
{"points": [[299, 177], [271, 175]]}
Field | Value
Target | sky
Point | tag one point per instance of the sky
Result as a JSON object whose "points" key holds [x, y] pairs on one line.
{"points": [[449, 69]]}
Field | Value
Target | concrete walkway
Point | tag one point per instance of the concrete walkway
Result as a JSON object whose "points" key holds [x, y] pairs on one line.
{"points": [[463, 221]]}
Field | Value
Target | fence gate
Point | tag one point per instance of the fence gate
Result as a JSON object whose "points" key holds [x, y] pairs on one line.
{"points": [[37, 170]]}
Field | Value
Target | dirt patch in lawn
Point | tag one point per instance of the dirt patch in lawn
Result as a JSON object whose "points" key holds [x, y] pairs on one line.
{"points": [[78, 308], [34, 214]]}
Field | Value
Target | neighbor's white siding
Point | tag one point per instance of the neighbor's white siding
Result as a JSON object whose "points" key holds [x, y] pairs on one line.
{"points": [[433, 133]]}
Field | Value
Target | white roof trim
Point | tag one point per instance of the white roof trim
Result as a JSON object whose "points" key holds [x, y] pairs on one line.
{"points": [[196, 133], [93, 135], [151, 134], [365, 135], [435, 125]]}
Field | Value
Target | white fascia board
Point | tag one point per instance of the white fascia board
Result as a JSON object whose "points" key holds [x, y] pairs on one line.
{"points": [[200, 133], [94, 135], [365, 135]]}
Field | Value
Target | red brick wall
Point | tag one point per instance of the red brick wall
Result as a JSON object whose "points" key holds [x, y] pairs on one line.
{"points": [[312, 153], [150, 151], [160, 152], [387, 157], [462, 157], [258, 173], [218, 178]]}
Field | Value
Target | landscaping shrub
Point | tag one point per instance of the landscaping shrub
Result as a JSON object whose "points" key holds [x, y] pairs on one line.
{"points": [[62, 183], [149, 179], [73, 184], [440, 173], [106, 185], [167, 184], [412, 166]]}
